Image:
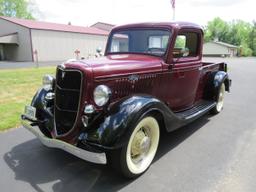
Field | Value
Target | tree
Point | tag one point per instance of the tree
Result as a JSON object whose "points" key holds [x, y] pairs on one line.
{"points": [[239, 35], [216, 29], [252, 38], [15, 8], [237, 32]]}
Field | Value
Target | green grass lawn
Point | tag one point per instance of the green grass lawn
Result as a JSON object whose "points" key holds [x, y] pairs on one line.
{"points": [[17, 87]]}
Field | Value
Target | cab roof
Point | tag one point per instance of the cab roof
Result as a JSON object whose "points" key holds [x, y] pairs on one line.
{"points": [[170, 25]]}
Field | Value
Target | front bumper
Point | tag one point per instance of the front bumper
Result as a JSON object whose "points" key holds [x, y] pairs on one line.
{"points": [[99, 158]]}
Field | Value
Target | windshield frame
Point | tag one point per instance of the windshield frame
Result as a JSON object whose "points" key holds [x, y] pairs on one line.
{"points": [[108, 47]]}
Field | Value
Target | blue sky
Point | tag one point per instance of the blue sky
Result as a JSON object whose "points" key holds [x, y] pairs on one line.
{"points": [[87, 12]]}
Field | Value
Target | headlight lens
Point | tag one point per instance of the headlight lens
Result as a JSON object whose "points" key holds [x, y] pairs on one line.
{"points": [[48, 81], [101, 95]]}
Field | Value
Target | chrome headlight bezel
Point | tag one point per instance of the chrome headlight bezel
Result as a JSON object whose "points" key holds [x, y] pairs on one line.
{"points": [[48, 81], [101, 95]]}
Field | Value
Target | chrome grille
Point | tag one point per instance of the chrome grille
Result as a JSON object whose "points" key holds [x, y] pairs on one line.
{"points": [[67, 98]]}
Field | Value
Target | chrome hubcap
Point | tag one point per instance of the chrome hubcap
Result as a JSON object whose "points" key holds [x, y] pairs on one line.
{"points": [[145, 144], [140, 145]]}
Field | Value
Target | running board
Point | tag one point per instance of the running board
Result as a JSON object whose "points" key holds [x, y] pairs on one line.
{"points": [[196, 111]]}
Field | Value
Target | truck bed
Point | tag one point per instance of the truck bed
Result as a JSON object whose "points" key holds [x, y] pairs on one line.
{"points": [[210, 65]]}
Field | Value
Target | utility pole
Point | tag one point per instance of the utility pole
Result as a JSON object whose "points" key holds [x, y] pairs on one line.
{"points": [[173, 9]]}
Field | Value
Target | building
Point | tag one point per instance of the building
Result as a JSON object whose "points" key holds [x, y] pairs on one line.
{"points": [[220, 49], [103, 26], [28, 40]]}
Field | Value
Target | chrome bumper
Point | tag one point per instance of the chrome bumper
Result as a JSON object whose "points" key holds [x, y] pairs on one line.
{"points": [[99, 158]]}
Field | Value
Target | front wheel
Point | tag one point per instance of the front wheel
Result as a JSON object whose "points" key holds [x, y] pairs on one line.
{"points": [[135, 157], [220, 102]]}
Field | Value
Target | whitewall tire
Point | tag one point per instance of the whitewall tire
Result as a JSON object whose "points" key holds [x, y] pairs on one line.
{"points": [[220, 101], [136, 156]]}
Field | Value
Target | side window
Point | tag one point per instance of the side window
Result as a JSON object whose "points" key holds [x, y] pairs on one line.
{"points": [[186, 45]]}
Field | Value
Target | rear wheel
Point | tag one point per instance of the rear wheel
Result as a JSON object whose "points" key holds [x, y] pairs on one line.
{"points": [[135, 157], [220, 102]]}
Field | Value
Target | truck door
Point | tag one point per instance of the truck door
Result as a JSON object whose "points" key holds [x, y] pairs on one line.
{"points": [[185, 73]]}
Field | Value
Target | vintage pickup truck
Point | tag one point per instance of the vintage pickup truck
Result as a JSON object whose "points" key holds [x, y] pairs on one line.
{"points": [[111, 109]]}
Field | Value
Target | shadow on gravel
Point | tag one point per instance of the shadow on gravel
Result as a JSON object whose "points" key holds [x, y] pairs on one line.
{"points": [[48, 169]]}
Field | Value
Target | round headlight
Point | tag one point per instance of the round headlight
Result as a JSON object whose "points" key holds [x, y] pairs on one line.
{"points": [[48, 82], [101, 95]]}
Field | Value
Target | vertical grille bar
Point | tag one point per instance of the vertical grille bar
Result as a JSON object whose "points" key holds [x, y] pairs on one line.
{"points": [[67, 99]]}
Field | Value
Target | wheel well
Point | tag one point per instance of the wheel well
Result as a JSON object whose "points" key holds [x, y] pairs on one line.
{"points": [[160, 119]]}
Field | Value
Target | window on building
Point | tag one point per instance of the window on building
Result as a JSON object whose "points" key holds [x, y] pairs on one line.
{"points": [[120, 43], [158, 41]]}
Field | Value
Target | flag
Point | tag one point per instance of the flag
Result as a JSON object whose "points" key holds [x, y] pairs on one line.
{"points": [[173, 4]]}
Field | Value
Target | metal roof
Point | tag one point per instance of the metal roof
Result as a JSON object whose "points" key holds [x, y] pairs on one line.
{"points": [[103, 26], [107, 24], [225, 44], [32, 24]]}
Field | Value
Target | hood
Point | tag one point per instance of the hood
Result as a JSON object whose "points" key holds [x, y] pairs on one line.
{"points": [[123, 64]]}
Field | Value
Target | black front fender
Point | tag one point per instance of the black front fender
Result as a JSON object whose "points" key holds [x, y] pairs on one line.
{"points": [[120, 120], [43, 110], [114, 131]]}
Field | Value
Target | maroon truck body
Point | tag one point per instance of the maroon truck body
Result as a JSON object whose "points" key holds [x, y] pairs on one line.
{"points": [[175, 83]]}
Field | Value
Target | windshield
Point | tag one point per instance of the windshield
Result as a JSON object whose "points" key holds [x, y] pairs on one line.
{"points": [[142, 41]]}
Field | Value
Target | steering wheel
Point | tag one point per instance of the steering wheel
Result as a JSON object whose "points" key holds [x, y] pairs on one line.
{"points": [[154, 49]]}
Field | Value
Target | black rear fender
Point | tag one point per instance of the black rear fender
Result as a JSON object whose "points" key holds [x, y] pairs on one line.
{"points": [[215, 81]]}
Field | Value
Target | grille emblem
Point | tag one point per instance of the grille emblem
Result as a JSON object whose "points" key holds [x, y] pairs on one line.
{"points": [[133, 78]]}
